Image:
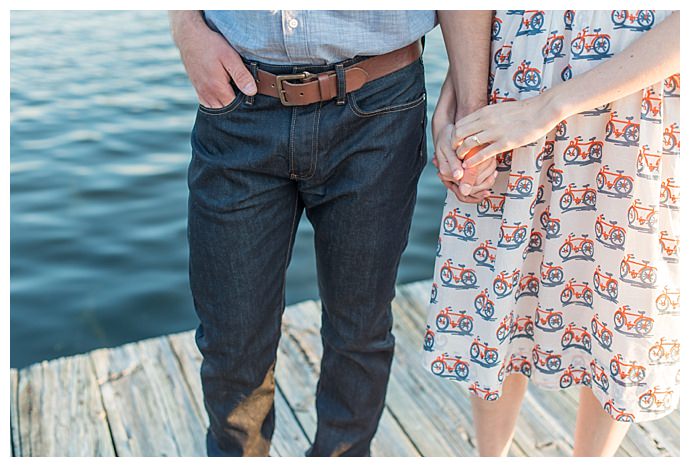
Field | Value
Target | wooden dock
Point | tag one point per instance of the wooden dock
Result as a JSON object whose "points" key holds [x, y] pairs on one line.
{"points": [[145, 399]]}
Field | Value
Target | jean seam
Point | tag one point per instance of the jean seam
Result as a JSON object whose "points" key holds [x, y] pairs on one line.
{"points": [[385, 110], [292, 239], [314, 144], [292, 144]]}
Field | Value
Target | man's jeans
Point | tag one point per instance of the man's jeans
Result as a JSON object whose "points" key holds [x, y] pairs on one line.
{"points": [[256, 166]]}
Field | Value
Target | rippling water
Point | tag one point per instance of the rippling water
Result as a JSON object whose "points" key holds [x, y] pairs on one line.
{"points": [[101, 112]]}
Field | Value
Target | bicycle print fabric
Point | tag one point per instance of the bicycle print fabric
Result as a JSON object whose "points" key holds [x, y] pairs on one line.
{"points": [[568, 272]]}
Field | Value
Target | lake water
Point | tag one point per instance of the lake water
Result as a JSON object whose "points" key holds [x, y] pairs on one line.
{"points": [[101, 112]]}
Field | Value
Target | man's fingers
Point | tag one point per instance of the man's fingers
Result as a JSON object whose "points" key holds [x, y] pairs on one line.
{"points": [[443, 166], [239, 73], [486, 171], [487, 183]]}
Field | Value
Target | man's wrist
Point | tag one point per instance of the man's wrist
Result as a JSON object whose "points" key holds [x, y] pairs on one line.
{"points": [[467, 105]]}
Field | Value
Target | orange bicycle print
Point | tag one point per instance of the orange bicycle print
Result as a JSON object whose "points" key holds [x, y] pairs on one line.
{"points": [[519, 184], [555, 177], [504, 327], [620, 415], [429, 339], [664, 351], [457, 276], [670, 193], [526, 77], [528, 286], [651, 106], [590, 45], [454, 367], [519, 363], [485, 393], [550, 224], [484, 306], [672, 139], [512, 236], [668, 301], [457, 225], [627, 374], [577, 293], [648, 164], [627, 129], [536, 240], [610, 234], [656, 399], [605, 285], [551, 275], [546, 361], [601, 333], [483, 354], [672, 86], [614, 183], [502, 56], [572, 375], [669, 246], [641, 217], [548, 320], [638, 272], [523, 326], [581, 199], [578, 337], [599, 375], [459, 322], [626, 321], [581, 153], [553, 47], [577, 248], [491, 206], [485, 254], [640, 20], [504, 283], [532, 21]]}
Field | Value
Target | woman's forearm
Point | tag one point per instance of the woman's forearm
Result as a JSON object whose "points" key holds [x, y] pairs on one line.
{"points": [[650, 59], [467, 35]]}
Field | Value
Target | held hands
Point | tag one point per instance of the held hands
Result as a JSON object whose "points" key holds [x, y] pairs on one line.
{"points": [[469, 184], [501, 127], [467, 163]]}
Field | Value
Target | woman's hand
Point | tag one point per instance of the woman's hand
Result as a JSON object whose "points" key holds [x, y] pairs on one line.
{"points": [[501, 127]]}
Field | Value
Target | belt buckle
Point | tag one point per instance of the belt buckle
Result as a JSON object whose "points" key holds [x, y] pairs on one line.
{"points": [[279, 85]]}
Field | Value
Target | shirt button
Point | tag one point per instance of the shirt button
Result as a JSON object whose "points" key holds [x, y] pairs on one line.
{"points": [[293, 23]]}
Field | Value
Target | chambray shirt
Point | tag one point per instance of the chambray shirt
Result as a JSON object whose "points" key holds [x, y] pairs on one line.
{"points": [[318, 37]]}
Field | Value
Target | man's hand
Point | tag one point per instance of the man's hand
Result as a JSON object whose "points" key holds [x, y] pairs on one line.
{"points": [[210, 60]]}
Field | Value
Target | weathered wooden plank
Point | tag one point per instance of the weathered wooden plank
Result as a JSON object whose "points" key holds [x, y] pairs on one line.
{"points": [[59, 403], [302, 322], [441, 429], [149, 407], [14, 415], [288, 438], [189, 357]]}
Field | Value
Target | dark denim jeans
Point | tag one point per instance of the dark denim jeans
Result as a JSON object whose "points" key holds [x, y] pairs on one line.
{"points": [[256, 166]]}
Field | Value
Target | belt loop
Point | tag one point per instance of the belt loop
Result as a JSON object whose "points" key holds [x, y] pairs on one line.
{"points": [[253, 67], [340, 83]]}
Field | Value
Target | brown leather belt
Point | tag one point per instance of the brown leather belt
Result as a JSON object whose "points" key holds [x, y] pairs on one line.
{"points": [[324, 86]]}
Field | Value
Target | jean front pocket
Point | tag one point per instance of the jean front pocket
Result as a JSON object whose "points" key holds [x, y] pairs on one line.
{"points": [[401, 90], [232, 106]]}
